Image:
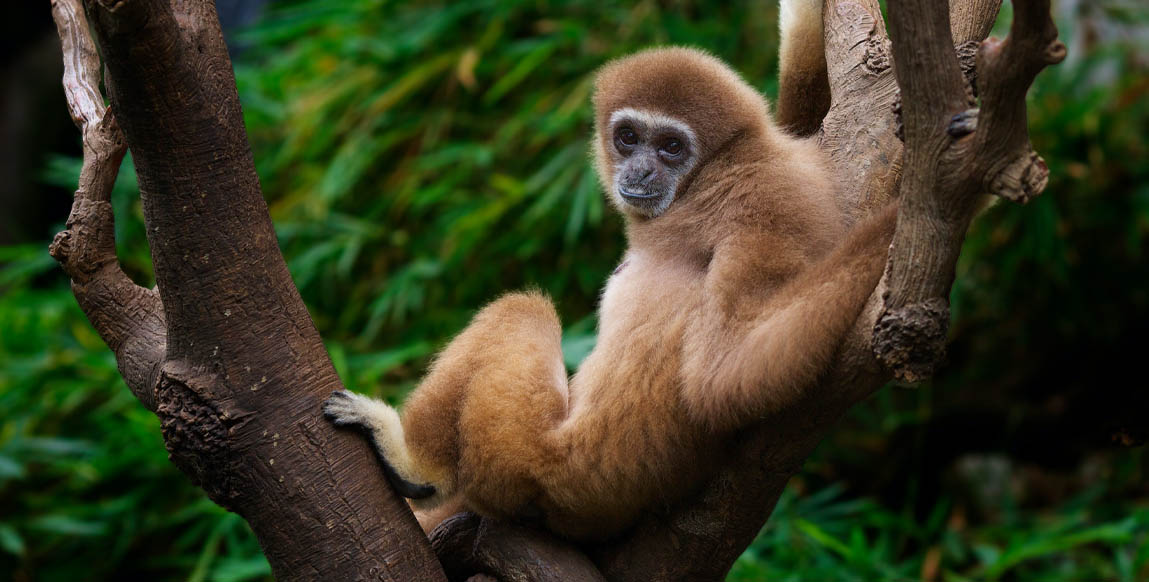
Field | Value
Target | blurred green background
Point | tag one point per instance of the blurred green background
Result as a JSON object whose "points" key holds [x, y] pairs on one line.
{"points": [[420, 158]]}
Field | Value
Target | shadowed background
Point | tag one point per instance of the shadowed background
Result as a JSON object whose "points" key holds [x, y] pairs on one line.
{"points": [[420, 158]]}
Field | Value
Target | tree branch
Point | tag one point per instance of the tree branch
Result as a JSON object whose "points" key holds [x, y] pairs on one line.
{"points": [[859, 131], [971, 20], [1002, 152], [953, 155], [467, 544], [236, 370], [129, 318]]}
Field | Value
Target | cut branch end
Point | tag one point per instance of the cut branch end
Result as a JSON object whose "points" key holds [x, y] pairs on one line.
{"points": [[911, 340]]}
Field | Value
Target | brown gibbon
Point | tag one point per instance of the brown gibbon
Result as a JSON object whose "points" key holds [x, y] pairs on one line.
{"points": [[740, 280]]}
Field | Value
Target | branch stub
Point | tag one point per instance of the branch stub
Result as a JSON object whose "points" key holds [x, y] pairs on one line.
{"points": [[911, 340]]}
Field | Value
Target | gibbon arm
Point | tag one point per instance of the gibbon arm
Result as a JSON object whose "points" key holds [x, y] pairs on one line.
{"points": [[737, 366]]}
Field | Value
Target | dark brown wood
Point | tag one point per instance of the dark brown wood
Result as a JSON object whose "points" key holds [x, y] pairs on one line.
{"points": [[1002, 158], [468, 544], [231, 362]]}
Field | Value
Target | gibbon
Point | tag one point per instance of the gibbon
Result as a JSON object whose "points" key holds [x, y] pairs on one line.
{"points": [[740, 281]]}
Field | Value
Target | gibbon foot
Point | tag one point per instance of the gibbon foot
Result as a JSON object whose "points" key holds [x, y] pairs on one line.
{"points": [[351, 410]]}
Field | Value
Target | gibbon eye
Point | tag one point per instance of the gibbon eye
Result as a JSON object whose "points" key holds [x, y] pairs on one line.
{"points": [[626, 136], [672, 147]]}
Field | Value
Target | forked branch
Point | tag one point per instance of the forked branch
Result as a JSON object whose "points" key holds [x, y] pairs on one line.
{"points": [[1002, 151], [955, 153], [231, 364], [128, 317]]}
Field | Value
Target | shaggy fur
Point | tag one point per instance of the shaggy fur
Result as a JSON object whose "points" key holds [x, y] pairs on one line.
{"points": [[804, 95], [727, 305]]}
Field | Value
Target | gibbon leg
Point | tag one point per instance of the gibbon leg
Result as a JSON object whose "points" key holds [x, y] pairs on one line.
{"points": [[516, 397], [475, 425]]}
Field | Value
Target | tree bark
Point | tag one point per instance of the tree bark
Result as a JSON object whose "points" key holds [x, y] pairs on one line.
{"points": [[225, 352], [226, 355]]}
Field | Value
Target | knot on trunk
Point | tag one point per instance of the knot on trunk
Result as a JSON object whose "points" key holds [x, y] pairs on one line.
{"points": [[88, 242], [1022, 179], [963, 123], [1055, 52], [61, 247], [195, 431], [877, 57], [911, 340]]}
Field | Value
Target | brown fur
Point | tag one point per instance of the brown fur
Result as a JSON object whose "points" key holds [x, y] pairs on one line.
{"points": [[803, 81], [727, 306]]}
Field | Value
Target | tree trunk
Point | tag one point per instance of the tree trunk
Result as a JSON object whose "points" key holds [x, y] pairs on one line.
{"points": [[224, 352]]}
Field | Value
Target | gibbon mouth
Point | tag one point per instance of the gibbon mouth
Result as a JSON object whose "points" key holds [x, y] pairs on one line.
{"points": [[637, 194]]}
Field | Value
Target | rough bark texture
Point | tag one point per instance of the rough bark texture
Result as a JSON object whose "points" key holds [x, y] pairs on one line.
{"points": [[226, 355], [954, 154], [859, 130], [129, 318]]}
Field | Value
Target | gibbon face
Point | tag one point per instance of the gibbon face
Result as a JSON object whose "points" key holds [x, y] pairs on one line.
{"points": [[661, 114], [651, 154]]}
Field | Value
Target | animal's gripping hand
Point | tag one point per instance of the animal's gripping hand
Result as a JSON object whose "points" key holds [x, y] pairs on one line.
{"points": [[348, 409], [381, 424]]}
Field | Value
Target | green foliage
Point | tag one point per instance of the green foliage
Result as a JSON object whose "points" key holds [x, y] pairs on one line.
{"points": [[828, 536], [421, 158], [85, 488]]}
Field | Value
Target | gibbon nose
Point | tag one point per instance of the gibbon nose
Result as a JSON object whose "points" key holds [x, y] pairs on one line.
{"points": [[642, 176]]}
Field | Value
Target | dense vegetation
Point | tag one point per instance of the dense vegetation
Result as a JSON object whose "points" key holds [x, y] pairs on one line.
{"points": [[420, 158]]}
